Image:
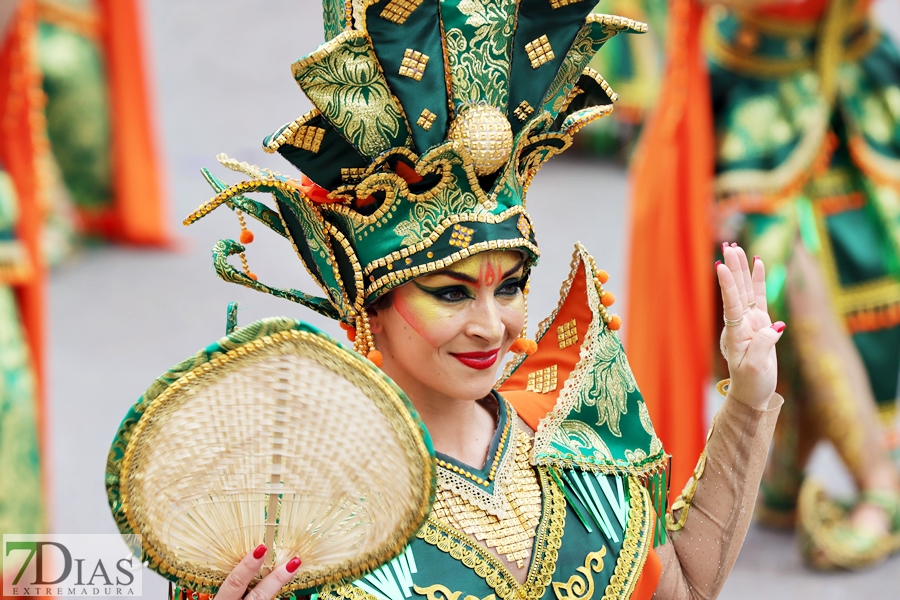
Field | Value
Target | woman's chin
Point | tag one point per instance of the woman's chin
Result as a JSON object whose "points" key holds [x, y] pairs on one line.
{"points": [[475, 384]]}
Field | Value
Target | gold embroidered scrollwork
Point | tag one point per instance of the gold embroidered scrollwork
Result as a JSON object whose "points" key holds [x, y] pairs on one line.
{"points": [[581, 587], [440, 592]]}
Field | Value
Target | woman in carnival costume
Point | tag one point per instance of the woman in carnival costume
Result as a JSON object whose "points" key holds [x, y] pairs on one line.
{"points": [[430, 120], [799, 117]]}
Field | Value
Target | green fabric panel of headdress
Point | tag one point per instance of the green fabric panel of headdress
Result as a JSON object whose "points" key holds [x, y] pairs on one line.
{"points": [[323, 162], [419, 32], [334, 17], [311, 242], [588, 41], [561, 26], [477, 34], [344, 81], [594, 95]]}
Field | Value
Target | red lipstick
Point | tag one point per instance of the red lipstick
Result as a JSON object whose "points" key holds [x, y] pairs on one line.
{"points": [[477, 360]]}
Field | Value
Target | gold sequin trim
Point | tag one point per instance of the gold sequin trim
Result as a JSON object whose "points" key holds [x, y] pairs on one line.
{"points": [[499, 454], [523, 111], [426, 119], [413, 64], [513, 535], [289, 132], [308, 138], [351, 174], [523, 226], [567, 335], [686, 499], [461, 236], [397, 11], [554, 4], [543, 381], [539, 52], [547, 542]]}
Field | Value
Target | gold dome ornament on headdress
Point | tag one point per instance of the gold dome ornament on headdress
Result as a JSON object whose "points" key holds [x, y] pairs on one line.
{"points": [[486, 135]]}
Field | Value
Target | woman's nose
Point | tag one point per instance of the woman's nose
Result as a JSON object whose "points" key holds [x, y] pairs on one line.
{"points": [[485, 321]]}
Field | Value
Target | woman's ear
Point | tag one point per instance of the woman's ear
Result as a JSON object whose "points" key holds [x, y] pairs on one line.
{"points": [[376, 323]]}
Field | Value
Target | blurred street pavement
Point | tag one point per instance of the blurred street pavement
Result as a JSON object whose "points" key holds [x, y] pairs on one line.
{"points": [[121, 317]]}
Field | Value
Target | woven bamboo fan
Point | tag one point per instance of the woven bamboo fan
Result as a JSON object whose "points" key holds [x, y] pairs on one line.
{"points": [[275, 435]]}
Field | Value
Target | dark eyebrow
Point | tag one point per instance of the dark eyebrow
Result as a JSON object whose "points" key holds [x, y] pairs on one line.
{"points": [[518, 266], [468, 279]]}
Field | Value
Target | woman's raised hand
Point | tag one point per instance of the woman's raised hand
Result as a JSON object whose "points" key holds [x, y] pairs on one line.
{"points": [[749, 336], [235, 585]]}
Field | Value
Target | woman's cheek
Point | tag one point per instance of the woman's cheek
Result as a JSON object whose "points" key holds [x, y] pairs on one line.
{"points": [[427, 316]]}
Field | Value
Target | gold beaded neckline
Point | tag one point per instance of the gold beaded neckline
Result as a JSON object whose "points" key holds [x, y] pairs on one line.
{"points": [[483, 488], [501, 446]]}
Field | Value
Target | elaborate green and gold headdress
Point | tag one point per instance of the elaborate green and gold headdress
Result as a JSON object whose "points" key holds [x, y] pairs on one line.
{"points": [[431, 118]]}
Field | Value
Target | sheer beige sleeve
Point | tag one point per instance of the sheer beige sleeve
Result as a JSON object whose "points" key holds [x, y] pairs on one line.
{"points": [[697, 558]]}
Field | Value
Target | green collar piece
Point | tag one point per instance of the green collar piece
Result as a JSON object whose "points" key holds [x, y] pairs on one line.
{"points": [[431, 118]]}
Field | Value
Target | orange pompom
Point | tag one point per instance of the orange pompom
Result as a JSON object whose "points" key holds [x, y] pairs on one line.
{"points": [[376, 358], [523, 346], [252, 276], [351, 334], [602, 276], [607, 299], [246, 236], [615, 323]]}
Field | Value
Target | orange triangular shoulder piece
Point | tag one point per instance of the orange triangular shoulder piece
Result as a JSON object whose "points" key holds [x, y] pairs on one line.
{"points": [[532, 385]]}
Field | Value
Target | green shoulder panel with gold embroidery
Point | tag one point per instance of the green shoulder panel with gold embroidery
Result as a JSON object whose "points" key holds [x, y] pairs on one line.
{"points": [[593, 416]]}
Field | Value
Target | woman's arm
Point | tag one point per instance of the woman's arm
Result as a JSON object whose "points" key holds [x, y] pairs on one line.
{"points": [[697, 559], [711, 518]]}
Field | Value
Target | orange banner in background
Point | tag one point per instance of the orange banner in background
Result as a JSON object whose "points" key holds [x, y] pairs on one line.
{"points": [[22, 144], [139, 211], [670, 300]]}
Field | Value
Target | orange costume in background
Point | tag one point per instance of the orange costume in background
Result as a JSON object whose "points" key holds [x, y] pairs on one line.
{"points": [[671, 273]]}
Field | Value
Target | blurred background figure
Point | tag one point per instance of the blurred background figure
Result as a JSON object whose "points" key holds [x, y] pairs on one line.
{"points": [[802, 147], [103, 173], [77, 161], [632, 65], [22, 493]]}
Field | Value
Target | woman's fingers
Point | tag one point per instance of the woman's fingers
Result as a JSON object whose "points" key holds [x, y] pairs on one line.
{"points": [[240, 577], [733, 262], [759, 284], [745, 271], [274, 581], [762, 343], [731, 299]]}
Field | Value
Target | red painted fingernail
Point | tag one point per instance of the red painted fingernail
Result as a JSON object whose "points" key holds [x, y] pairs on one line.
{"points": [[755, 258], [778, 326], [293, 564], [734, 244], [260, 550], [718, 262]]}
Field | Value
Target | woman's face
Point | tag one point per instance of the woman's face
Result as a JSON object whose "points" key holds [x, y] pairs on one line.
{"points": [[445, 333]]}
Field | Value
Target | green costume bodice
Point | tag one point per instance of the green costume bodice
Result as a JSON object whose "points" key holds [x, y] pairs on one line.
{"points": [[580, 547]]}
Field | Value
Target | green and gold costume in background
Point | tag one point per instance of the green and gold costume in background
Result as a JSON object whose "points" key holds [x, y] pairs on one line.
{"points": [[431, 118], [807, 116], [21, 496], [78, 119]]}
